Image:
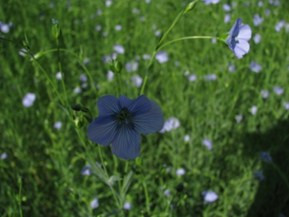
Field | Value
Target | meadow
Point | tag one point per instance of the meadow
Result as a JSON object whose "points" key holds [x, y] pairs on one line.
{"points": [[224, 150]]}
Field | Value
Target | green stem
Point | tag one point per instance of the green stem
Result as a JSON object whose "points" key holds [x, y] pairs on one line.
{"points": [[159, 47], [20, 197], [281, 174], [187, 38]]}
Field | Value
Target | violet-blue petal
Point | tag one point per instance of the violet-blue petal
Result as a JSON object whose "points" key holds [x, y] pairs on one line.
{"points": [[102, 130], [125, 102], [150, 121], [108, 105], [245, 32], [140, 105], [126, 144], [241, 48]]}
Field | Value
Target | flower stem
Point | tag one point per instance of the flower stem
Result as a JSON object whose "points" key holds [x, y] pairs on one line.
{"points": [[187, 38]]}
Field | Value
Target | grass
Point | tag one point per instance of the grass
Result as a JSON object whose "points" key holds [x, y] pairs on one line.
{"points": [[42, 174]]}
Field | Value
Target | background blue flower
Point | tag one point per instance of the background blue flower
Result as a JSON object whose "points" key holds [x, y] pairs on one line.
{"points": [[121, 121], [238, 38]]}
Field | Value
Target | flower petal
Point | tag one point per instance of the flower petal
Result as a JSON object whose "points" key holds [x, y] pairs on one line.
{"points": [[102, 130], [245, 33], [242, 47], [235, 29], [140, 105], [150, 121], [108, 105], [126, 144], [125, 102]]}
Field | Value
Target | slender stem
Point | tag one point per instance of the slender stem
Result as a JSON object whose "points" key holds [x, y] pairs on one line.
{"points": [[20, 196], [281, 174], [159, 47], [147, 70], [187, 38]]}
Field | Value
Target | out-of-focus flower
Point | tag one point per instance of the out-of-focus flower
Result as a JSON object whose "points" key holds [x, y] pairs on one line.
{"points": [[192, 77], [118, 28], [279, 25], [170, 124], [209, 196], [94, 203], [121, 121], [259, 175], [86, 170], [110, 75], [28, 99], [57, 125], [162, 57], [278, 90], [83, 78], [136, 80], [5, 27], [180, 172], [208, 2], [167, 192], [226, 7], [146, 56], [264, 94], [227, 18], [131, 66], [207, 143], [59, 76], [127, 205], [238, 38], [253, 110], [210, 77], [239, 118], [119, 49], [257, 20], [286, 105], [98, 28], [257, 38], [4, 156], [231, 67], [108, 3], [255, 67], [187, 138], [265, 156], [77, 90]]}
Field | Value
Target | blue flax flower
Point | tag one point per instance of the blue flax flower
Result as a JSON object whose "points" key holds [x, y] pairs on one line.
{"points": [[238, 38], [121, 121]]}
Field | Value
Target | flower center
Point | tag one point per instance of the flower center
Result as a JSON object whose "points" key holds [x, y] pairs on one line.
{"points": [[123, 116]]}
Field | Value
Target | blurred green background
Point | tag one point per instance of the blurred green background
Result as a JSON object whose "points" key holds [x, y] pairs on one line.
{"points": [[226, 111]]}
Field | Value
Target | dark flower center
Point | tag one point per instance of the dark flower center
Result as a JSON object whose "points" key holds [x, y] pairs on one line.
{"points": [[124, 116]]}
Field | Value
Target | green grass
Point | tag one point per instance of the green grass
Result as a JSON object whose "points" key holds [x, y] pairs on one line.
{"points": [[42, 174]]}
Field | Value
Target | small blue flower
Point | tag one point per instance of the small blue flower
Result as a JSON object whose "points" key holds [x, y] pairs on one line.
{"points": [[121, 121], [238, 39]]}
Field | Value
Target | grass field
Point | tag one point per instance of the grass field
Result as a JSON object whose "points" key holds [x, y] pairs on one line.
{"points": [[226, 151]]}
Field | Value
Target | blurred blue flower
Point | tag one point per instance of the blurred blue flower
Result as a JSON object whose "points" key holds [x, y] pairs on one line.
{"points": [[255, 67], [257, 20], [121, 121], [259, 175], [238, 38], [265, 156], [207, 2]]}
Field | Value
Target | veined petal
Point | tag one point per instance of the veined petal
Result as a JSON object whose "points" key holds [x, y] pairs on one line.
{"points": [[125, 102], [242, 47], [126, 144], [245, 33], [140, 105], [150, 121], [102, 130], [108, 105], [235, 29]]}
